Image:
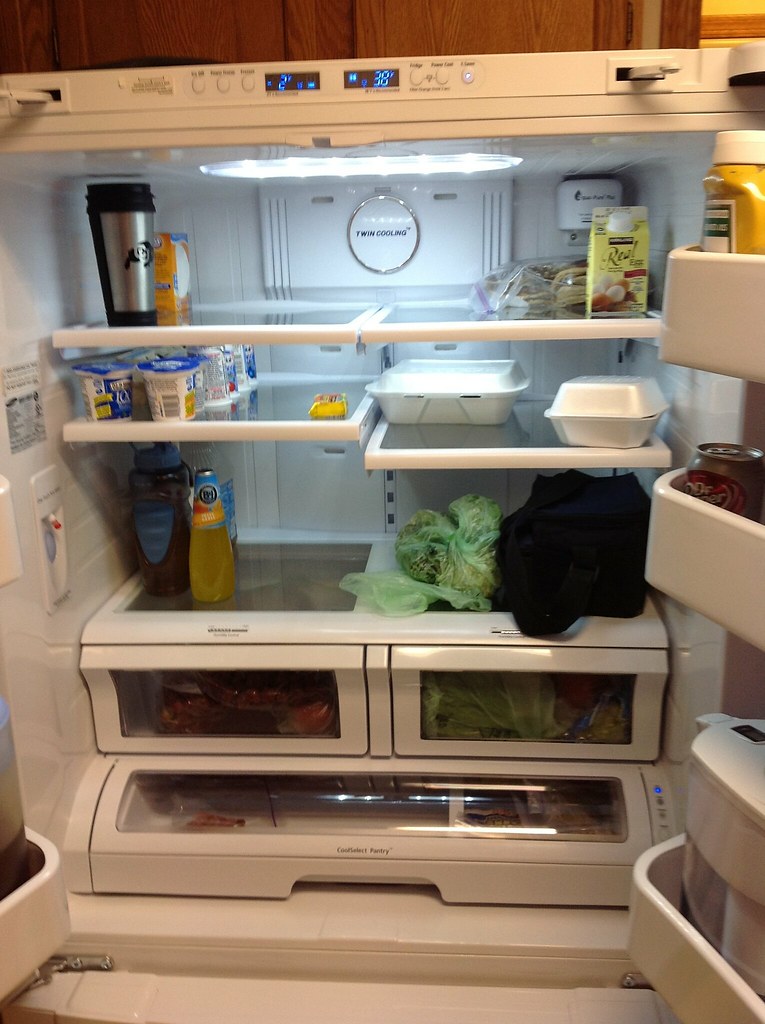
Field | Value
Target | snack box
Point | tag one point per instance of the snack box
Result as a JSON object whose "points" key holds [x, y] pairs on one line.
{"points": [[607, 411], [449, 391]]}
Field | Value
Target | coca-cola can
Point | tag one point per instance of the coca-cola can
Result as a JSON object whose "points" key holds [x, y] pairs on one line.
{"points": [[727, 475]]}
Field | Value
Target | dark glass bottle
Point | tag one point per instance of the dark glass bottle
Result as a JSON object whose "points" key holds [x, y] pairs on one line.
{"points": [[160, 488]]}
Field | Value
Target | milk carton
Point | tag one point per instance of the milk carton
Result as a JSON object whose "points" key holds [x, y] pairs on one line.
{"points": [[617, 262], [172, 273]]}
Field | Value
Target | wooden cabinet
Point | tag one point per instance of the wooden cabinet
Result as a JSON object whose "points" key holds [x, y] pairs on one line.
{"points": [[44, 35], [412, 27]]}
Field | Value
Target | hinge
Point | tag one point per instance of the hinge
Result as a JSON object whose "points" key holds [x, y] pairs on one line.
{"points": [[635, 980], [68, 965]]}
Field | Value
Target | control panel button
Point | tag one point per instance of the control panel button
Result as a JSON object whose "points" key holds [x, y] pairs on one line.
{"points": [[224, 84], [416, 76], [248, 83], [442, 76], [198, 85]]}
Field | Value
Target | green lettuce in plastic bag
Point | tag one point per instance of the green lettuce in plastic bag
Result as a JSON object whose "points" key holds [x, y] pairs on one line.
{"points": [[485, 706], [458, 550], [449, 558]]}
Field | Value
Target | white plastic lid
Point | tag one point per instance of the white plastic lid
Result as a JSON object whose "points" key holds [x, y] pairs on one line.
{"points": [[744, 147], [620, 220]]}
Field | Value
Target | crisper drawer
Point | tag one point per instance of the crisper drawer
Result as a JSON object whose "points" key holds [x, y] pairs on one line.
{"points": [[243, 699], [252, 828], [585, 703]]}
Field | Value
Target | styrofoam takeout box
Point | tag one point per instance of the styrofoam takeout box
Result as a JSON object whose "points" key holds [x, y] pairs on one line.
{"points": [[607, 412], [449, 391]]}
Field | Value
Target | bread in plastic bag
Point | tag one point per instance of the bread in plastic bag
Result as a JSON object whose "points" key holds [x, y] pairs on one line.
{"points": [[539, 289]]}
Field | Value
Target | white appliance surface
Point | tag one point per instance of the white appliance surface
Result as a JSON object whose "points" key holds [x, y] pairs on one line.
{"points": [[292, 265]]}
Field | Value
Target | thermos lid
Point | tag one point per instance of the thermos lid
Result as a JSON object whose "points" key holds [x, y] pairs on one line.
{"points": [[118, 196], [744, 147], [162, 455]]}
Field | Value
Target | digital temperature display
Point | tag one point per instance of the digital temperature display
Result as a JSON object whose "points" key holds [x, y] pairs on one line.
{"points": [[290, 81], [380, 78]]}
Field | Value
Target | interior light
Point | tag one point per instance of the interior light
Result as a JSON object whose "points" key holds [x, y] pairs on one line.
{"points": [[357, 166]]}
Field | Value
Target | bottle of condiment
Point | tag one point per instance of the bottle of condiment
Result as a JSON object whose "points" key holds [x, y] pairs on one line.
{"points": [[211, 559], [160, 486], [734, 208]]}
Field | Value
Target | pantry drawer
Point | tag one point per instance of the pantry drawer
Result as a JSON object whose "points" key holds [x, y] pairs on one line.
{"points": [[244, 699], [587, 703]]}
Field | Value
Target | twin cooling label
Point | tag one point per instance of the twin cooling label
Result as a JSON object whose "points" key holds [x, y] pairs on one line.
{"points": [[383, 234]]}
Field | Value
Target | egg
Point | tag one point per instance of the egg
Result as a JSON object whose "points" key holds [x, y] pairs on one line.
{"points": [[616, 293]]}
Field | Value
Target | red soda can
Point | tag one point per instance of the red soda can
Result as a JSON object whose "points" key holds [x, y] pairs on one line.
{"points": [[729, 476]]}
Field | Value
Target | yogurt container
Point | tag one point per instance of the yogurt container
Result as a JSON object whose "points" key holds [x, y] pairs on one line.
{"points": [[107, 390], [171, 387]]}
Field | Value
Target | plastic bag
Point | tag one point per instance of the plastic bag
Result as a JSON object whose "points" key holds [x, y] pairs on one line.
{"points": [[395, 594], [449, 558], [494, 706], [533, 290], [456, 551]]}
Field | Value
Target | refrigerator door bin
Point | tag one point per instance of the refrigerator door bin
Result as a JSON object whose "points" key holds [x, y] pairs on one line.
{"points": [[244, 699], [704, 293], [697, 983], [688, 532], [199, 827], [33, 917], [493, 702]]}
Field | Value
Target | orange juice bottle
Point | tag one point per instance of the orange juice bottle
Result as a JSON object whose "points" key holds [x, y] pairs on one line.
{"points": [[211, 559]]}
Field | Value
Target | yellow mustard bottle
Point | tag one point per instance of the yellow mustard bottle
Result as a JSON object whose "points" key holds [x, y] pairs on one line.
{"points": [[734, 205], [211, 558]]}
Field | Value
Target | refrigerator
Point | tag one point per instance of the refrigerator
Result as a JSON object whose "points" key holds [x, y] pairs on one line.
{"points": [[195, 848]]}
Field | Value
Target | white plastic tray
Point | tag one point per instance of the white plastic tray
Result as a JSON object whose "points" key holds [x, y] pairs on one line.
{"points": [[449, 391], [697, 983]]}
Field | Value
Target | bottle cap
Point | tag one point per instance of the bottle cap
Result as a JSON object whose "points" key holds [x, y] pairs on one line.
{"points": [[161, 455], [620, 220], [744, 147]]}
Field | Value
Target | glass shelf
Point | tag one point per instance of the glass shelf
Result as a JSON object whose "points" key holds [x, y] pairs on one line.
{"points": [[526, 440], [277, 410]]}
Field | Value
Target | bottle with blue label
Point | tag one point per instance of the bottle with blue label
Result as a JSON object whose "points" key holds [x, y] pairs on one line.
{"points": [[211, 559], [160, 489]]}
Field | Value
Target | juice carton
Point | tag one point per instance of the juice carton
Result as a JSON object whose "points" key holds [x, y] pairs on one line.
{"points": [[617, 262], [172, 273]]}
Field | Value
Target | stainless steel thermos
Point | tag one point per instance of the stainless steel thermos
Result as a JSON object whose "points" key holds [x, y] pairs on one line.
{"points": [[122, 224]]}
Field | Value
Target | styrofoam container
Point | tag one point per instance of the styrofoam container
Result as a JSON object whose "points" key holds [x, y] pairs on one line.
{"points": [[603, 431], [623, 397], [607, 412], [449, 391]]}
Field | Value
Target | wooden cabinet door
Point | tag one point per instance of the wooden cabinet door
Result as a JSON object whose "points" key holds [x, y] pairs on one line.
{"points": [[318, 29], [398, 28], [93, 33]]}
